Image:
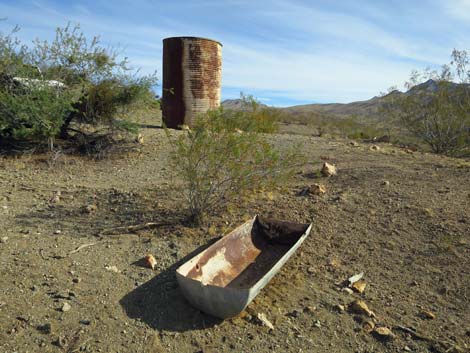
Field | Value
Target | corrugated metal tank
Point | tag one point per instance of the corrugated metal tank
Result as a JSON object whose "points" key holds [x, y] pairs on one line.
{"points": [[192, 76]]}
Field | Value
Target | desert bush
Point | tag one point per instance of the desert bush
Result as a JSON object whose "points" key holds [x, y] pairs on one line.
{"points": [[438, 112], [219, 164], [68, 85], [253, 116]]}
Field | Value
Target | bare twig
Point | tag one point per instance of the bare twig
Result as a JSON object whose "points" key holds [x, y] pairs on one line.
{"points": [[131, 229], [83, 246]]}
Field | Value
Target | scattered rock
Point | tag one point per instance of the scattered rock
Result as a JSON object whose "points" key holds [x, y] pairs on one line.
{"points": [[317, 189], [328, 170], [76, 280], [85, 322], [139, 139], [368, 326], [112, 269], [361, 308], [428, 315], [355, 278], [58, 231], [354, 143], [340, 308], [150, 261], [385, 183], [45, 328], [65, 307], [90, 208], [407, 349], [264, 320], [3, 240], [375, 148], [383, 332], [317, 323], [311, 270], [359, 286], [238, 131]]}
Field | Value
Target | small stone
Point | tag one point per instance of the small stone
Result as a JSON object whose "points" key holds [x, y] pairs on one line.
{"points": [[359, 286], [112, 269], [383, 333], [317, 189], [85, 322], [340, 308], [354, 143], [375, 148], [368, 326], [150, 261], [46, 328], [58, 231], [385, 183], [76, 280], [407, 349], [139, 139], [360, 307], [317, 323], [347, 290], [65, 307], [3, 240], [311, 270], [355, 278], [264, 320], [328, 170], [428, 315]]}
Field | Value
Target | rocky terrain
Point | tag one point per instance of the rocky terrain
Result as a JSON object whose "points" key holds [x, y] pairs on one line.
{"points": [[71, 280]]}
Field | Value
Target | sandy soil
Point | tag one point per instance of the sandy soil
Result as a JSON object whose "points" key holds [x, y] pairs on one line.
{"points": [[401, 218]]}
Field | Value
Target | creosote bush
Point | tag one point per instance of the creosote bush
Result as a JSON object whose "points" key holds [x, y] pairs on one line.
{"points": [[437, 112], [219, 164], [66, 87]]}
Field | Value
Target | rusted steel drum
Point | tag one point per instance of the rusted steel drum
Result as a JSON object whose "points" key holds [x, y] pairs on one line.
{"points": [[192, 76]]}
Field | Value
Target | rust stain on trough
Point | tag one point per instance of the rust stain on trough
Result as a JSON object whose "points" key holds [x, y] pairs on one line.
{"points": [[192, 75]]}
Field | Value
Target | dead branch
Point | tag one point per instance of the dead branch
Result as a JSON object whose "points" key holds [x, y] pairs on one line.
{"points": [[83, 246], [131, 229]]}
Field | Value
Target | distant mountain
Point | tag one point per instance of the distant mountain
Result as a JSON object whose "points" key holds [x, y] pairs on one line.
{"points": [[369, 109]]}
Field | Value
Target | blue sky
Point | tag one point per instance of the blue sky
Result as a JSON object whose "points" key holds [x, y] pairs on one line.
{"points": [[284, 52]]}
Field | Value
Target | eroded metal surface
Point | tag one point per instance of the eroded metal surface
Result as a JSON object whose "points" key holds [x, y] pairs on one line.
{"points": [[192, 75], [244, 256]]}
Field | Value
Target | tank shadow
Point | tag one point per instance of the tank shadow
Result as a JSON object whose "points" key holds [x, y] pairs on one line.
{"points": [[160, 304]]}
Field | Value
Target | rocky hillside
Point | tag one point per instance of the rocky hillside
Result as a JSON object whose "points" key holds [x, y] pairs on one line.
{"points": [[366, 109]]}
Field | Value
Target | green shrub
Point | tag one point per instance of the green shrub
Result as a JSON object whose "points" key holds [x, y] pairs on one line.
{"points": [[70, 84], [437, 114], [253, 117], [219, 164]]}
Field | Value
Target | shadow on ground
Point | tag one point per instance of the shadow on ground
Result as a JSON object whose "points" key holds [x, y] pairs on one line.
{"points": [[161, 305]]}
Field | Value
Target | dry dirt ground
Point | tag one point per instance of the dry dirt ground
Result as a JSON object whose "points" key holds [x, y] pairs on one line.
{"points": [[401, 218]]}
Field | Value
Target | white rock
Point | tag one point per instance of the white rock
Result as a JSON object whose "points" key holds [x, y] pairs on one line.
{"points": [[328, 170], [66, 307]]}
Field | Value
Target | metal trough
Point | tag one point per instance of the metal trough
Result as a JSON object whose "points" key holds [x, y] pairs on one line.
{"points": [[223, 279]]}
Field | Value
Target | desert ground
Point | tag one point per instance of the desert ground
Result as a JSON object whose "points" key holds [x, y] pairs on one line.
{"points": [[69, 284]]}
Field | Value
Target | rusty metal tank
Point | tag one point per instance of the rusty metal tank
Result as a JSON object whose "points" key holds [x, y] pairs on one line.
{"points": [[192, 76]]}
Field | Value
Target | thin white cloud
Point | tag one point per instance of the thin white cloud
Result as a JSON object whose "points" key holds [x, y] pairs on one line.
{"points": [[283, 47]]}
